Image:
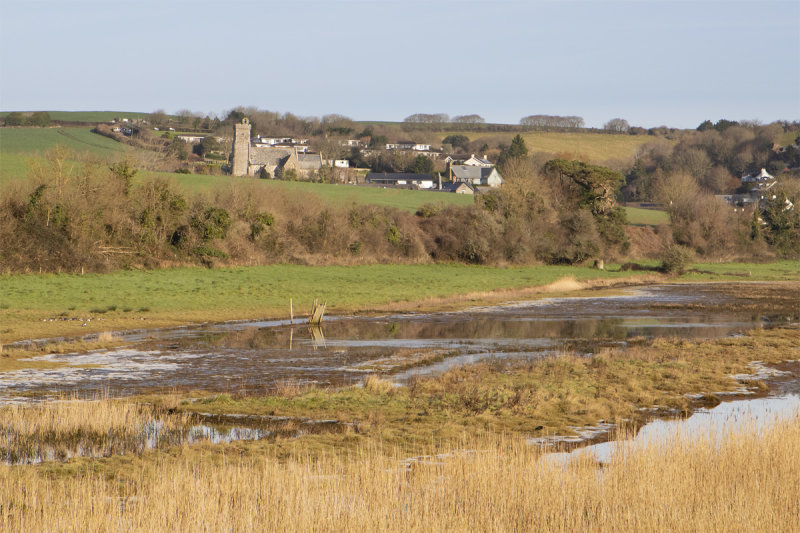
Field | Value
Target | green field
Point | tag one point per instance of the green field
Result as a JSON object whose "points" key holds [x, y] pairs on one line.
{"points": [[37, 140], [175, 296], [646, 217], [91, 117], [336, 195], [18, 146]]}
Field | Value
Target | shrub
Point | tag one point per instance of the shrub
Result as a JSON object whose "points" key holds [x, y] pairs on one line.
{"points": [[675, 258], [212, 224]]}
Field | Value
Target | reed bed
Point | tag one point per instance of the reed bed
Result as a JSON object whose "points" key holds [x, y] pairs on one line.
{"points": [[96, 428], [746, 481]]}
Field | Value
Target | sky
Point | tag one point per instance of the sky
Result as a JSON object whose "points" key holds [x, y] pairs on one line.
{"points": [[651, 62]]}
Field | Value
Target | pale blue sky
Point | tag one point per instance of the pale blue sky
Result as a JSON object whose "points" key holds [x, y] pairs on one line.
{"points": [[651, 62]]}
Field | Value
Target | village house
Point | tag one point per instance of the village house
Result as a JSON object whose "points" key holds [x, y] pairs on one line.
{"points": [[476, 176], [762, 184], [458, 187], [409, 145], [472, 161], [405, 180], [190, 139]]}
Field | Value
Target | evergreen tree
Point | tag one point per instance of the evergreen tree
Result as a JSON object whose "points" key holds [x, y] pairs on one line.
{"points": [[517, 150]]}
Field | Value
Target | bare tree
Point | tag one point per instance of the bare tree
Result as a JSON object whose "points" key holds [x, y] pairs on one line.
{"points": [[468, 119], [617, 125]]}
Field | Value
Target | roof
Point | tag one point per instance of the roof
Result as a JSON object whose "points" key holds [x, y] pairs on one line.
{"points": [[311, 161], [478, 160], [455, 185], [467, 172], [264, 155]]}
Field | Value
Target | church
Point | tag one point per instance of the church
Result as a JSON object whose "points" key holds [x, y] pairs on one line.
{"points": [[249, 160]]}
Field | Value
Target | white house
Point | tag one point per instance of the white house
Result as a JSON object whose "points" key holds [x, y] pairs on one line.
{"points": [[478, 162]]}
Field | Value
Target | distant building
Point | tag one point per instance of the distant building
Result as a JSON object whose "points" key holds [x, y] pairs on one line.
{"points": [[476, 176], [401, 179], [458, 188], [248, 159], [478, 162]]}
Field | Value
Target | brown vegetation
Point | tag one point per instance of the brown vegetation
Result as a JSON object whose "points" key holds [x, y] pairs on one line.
{"points": [[95, 219], [746, 481]]}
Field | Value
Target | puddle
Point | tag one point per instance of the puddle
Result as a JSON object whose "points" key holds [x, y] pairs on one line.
{"points": [[155, 434], [253, 357], [782, 403]]}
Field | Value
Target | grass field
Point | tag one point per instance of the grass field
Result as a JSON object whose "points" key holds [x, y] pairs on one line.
{"points": [[20, 146], [646, 217], [91, 117], [590, 147], [176, 296], [336, 195]]}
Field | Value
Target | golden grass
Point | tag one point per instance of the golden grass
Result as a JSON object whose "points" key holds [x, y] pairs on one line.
{"points": [[747, 482]]}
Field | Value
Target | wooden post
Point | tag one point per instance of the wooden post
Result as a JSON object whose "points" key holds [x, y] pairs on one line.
{"points": [[317, 312]]}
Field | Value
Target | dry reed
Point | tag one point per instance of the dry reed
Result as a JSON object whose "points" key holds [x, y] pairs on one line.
{"points": [[748, 481], [70, 427]]}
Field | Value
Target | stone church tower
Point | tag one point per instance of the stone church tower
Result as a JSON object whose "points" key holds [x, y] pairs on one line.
{"points": [[241, 148]]}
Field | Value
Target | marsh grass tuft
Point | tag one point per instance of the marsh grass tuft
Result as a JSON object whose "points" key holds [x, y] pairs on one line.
{"points": [[377, 385]]}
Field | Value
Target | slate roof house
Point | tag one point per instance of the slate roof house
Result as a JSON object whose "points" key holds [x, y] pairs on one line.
{"points": [[476, 176], [458, 187]]}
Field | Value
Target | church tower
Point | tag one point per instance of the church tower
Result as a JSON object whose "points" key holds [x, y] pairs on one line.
{"points": [[241, 148]]}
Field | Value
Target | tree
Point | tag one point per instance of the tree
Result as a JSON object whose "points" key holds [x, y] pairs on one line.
{"points": [[723, 124], [124, 172], [157, 117], [15, 118], [597, 185], [468, 119], [617, 125], [206, 145], [40, 119], [517, 150], [458, 141], [421, 165], [705, 125]]}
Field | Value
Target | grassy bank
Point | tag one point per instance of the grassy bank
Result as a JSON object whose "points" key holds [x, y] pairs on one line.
{"points": [[48, 305], [448, 454]]}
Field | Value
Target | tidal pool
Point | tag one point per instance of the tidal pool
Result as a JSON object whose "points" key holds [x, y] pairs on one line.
{"points": [[255, 356]]}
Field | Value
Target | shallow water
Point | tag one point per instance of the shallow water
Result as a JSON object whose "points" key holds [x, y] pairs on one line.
{"points": [[709, 424], [255, 356]]}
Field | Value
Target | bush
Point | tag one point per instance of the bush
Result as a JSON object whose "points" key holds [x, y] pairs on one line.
{"points": [[676, 258], [212, 224]]}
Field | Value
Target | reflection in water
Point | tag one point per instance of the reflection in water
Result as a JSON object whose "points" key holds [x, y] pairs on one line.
{"points": [[712, 425], [254, 356]]}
